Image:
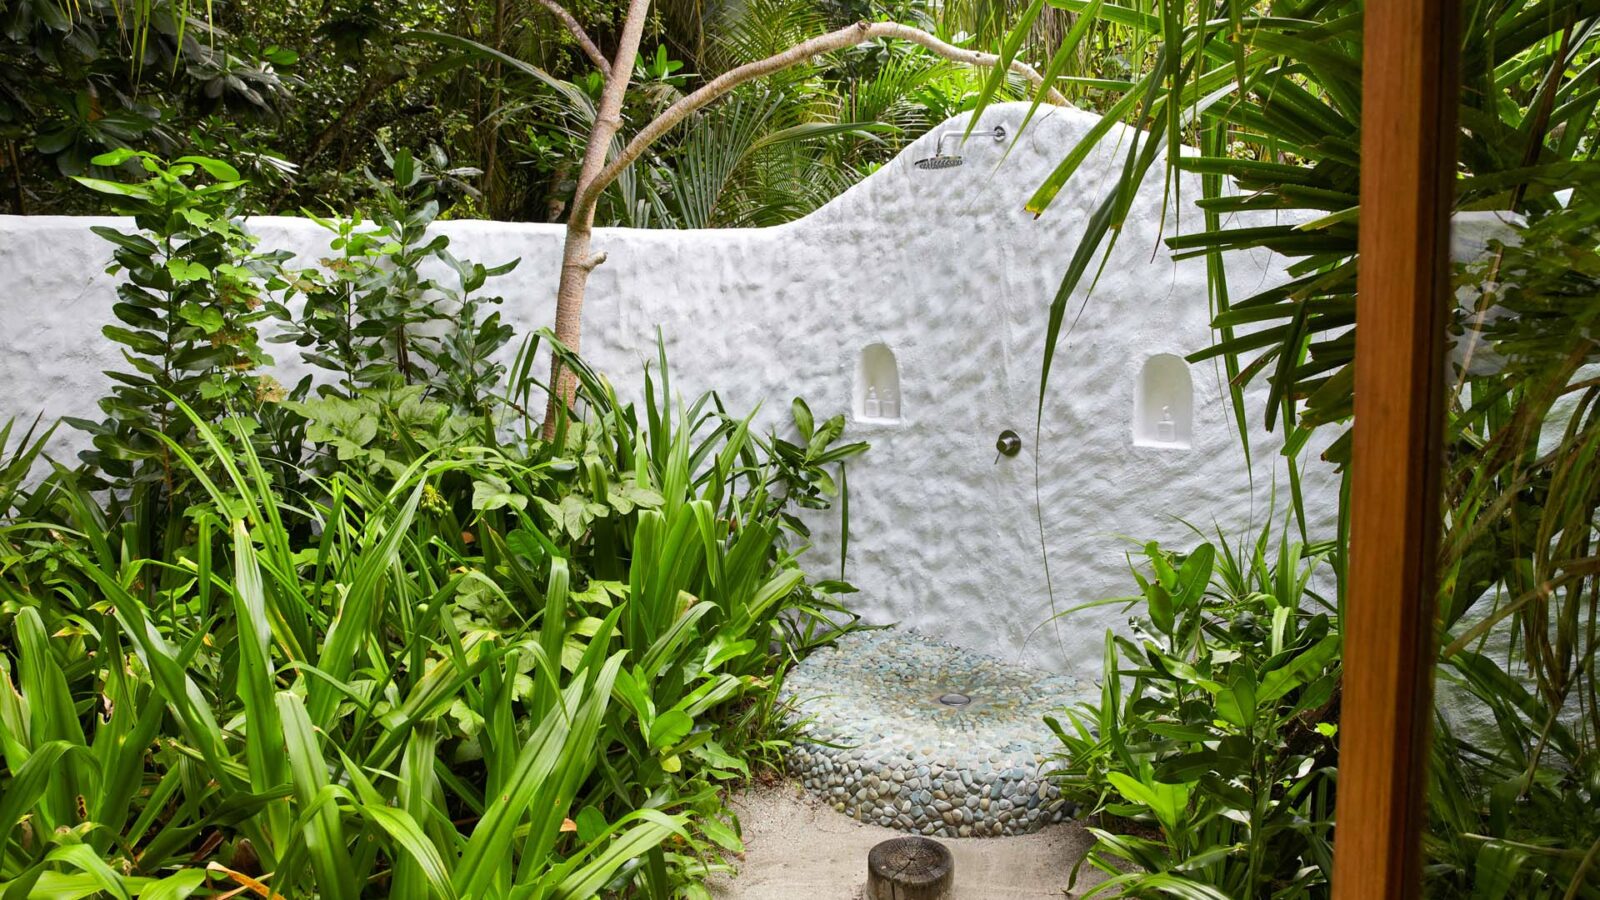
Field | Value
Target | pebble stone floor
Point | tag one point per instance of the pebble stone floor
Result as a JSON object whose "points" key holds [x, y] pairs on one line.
{"points": [[904, 757]]}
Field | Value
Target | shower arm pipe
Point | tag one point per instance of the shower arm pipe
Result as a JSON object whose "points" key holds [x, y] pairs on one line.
{"points": [[848, 36], [998, 133]]}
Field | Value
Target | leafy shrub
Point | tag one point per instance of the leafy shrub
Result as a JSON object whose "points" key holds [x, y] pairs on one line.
{"points": [[421, 652], [1515, 804], [187, 312], [375, 318], [415, 686], [1212, 745]]}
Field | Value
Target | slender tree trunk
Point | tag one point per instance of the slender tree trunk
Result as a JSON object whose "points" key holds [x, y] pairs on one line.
{"points": [[16, 180], [576, 261], [493, 196], [576, 264], [575, 270], [554, 203]]}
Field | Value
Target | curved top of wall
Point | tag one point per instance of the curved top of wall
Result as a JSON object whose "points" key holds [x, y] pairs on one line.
{"points": [[993, 175]]}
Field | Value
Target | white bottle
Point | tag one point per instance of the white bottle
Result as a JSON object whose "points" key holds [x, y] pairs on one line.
{"points": [[870, 408], [1166, 429], [890, 407]]}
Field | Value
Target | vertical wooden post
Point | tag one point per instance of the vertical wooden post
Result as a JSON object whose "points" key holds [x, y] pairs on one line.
{"points": [[1408, 159]]}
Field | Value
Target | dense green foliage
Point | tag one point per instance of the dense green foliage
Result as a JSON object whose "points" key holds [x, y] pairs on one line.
{"points": [[298, 96], [1521, 582], [377, 637], [1271, 95], [383, 640], [79, 79], [372, 318], [190, 301], [1216, 725]]}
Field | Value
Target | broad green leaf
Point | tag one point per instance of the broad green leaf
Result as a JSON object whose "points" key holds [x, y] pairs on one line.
{"points": [[117, 188], [669, 728], [1236, 704], [1299, 671]]}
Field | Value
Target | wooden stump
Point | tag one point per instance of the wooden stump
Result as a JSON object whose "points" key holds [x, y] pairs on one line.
{"points": [[910, 868]]}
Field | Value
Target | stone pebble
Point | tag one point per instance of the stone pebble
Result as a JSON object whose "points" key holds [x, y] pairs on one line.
{"points": [[879, 745]]}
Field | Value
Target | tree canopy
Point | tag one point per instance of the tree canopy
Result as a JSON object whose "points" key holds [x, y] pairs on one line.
{"points": [[303, 97]]}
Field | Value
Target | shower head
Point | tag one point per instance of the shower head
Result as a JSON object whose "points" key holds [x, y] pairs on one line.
{"points": [[940, 161]]}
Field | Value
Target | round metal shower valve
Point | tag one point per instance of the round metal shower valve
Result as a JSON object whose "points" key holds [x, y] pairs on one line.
{"points": [[1009, 444], [954, 699]]}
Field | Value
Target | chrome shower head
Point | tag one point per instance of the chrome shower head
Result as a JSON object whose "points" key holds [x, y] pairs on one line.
{"points": [[940, 161]]}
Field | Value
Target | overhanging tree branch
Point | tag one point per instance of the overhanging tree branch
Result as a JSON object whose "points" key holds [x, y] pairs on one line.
{"points": [[577, 262], [849, 36], [590, 48]]}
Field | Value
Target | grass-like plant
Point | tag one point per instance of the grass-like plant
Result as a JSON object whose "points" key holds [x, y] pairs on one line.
{"points": [[405, 687], [391, 641]]}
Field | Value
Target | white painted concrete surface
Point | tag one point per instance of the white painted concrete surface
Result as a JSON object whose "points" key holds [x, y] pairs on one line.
{"points": [[946, 270]]}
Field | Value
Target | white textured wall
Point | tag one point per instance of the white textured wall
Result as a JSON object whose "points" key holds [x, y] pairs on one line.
{"points": [[946, 269]]}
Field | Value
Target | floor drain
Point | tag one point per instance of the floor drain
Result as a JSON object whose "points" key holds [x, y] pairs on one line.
{"points": [[954, 699]]}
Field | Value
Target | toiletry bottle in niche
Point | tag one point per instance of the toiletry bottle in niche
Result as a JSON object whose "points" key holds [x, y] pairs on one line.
{"points": [[1166, 429]]}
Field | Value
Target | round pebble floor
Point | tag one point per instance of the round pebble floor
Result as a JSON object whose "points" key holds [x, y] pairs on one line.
{"points": [[908, 732]]}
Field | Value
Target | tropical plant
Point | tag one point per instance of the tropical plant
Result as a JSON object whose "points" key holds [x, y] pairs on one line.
{"points": [[297, 97], [416, 651], [501, 669], [373, 317], [1212, 744], [1271, 98], [1514, 804], [80, 79], [193, 291], [785, 144]]}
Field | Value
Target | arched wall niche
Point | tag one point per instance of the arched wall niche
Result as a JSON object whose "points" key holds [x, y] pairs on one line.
{"points": [[877, 388], [1163, 404]]}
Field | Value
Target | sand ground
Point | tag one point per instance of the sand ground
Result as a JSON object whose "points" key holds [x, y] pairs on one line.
{"points": [[798, 847]]}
